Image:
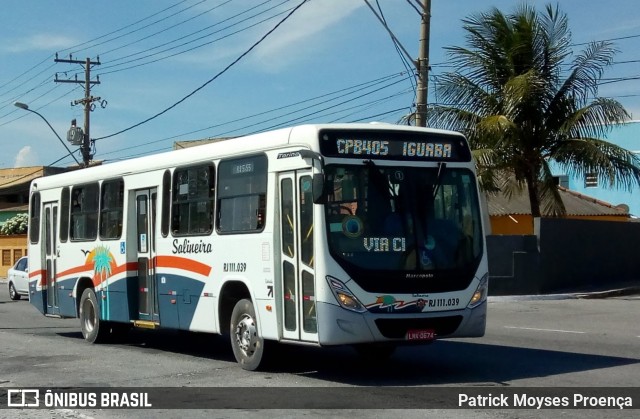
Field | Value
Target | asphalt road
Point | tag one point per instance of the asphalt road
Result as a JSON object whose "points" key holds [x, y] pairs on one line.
{"points": [[529, 343]]}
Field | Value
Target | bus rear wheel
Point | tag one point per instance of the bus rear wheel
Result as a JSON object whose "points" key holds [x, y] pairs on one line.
{"points": [[247, 345], [93, 330]]}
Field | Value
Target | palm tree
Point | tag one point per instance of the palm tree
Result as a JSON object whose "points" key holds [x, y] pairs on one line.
{"points": [[522, 105]]}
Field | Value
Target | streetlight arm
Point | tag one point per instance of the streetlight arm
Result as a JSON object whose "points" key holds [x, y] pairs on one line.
{"points": [[26, 108]]}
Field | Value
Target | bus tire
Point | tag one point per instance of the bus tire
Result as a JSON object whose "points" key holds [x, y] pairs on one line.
{"points": [[247, 345], [93, 330]]}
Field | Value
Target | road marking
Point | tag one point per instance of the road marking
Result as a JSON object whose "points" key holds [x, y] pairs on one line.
{"points": [[545, 330]]}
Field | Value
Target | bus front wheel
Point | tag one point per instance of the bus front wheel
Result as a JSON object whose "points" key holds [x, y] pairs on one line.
{"points": [[93, 330], [248, 346]]}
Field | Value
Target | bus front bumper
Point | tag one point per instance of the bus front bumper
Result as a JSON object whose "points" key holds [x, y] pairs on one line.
{"points": [[338, 326]]}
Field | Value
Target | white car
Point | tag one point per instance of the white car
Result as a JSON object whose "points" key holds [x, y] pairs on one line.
{"points": [[18, 277]]}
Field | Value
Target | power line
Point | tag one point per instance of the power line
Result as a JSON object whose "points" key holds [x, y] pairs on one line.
{"points": [[50, 56], [109, 38], [189, 42], [320, 100], [606, 40], [130, 25], [166, 30], [43, 106], [213, 78], [27, 71], [409, 66]]}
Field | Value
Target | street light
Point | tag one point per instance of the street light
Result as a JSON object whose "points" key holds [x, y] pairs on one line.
{"points": [[26, 108]]}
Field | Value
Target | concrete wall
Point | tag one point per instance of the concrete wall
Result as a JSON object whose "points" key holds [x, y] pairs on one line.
{"points": [[514, 265], [564, 254]]}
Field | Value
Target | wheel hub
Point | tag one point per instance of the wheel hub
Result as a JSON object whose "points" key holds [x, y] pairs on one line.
{"points": [[246, 334], [89, 316]]}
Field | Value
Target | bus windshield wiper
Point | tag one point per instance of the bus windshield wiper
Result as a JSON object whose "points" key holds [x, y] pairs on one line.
{"points": [[442, 166]]}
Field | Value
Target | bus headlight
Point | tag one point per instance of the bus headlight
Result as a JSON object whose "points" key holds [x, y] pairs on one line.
{"points": [[345, 298], [480, 295]]}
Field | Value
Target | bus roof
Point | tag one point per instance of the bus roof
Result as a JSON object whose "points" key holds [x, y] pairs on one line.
{"points": [[301, 135]]}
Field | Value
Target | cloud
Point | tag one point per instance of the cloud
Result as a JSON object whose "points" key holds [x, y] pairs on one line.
{"points": [[290, 42], [39, 42], [309, 21], [26, 157]]}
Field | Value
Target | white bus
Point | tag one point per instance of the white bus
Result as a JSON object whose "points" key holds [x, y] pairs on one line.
{"points": [[341, 234]]}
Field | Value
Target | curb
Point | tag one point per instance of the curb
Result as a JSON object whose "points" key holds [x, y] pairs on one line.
{"points": [[611, 293], [620, 292]]}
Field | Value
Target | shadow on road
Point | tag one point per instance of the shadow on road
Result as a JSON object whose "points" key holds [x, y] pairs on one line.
{"points": [[444, 362]]}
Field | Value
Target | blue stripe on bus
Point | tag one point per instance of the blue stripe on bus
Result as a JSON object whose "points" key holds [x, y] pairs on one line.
{"points": [[178, 298]]}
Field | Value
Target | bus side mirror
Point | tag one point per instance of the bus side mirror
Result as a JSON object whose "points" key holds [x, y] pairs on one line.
{"points": [[319, 196]]}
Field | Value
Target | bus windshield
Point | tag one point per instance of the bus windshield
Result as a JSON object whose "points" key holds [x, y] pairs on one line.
{"points": [[396, 228]]}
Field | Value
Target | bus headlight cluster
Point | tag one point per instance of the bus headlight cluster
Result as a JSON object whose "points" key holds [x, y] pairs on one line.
{"points": [[345, 298], [480, 295]]}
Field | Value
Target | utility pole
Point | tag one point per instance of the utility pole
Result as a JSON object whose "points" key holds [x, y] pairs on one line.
{"points": [[422, 65], [87, 101]]}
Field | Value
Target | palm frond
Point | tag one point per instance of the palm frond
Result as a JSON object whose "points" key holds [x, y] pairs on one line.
{"points": [[510, 96], [614, 165]]}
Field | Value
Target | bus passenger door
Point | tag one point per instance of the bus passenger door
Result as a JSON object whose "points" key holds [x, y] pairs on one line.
{"points": [[297, 256], [50, 253], [146, 200]]}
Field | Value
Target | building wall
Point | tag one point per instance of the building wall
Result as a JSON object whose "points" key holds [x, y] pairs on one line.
{"points": [[626, 136], [511, 224], [523, 224], [12, 248]]}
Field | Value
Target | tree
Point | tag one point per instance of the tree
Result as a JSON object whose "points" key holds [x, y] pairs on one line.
{"points": [[15, 225], [523, 105]]}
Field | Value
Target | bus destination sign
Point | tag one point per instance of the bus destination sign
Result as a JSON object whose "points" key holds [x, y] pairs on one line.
{"points": [[394, 146]]}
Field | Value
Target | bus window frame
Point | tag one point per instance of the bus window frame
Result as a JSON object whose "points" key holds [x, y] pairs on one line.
{"points": [[176, 201], [115, 209], [34, 218], [65, 214], [76, 210], [261, 194]]}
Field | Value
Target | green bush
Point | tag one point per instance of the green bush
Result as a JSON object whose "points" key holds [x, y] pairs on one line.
{"points": [[15, 225]]}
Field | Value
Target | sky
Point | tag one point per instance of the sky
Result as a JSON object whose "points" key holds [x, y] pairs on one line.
{"points": [[185, 69]]}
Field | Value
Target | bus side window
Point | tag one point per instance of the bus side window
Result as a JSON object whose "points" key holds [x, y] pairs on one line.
{"points": [[288, 245], [192, 206], [306, 221], [111, 209], [64, 214], [34, 221], [84, 212], [242, 189], [166, 203]]}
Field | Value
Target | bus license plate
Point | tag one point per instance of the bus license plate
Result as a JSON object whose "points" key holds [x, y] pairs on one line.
{"points": [[421, 334]]}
